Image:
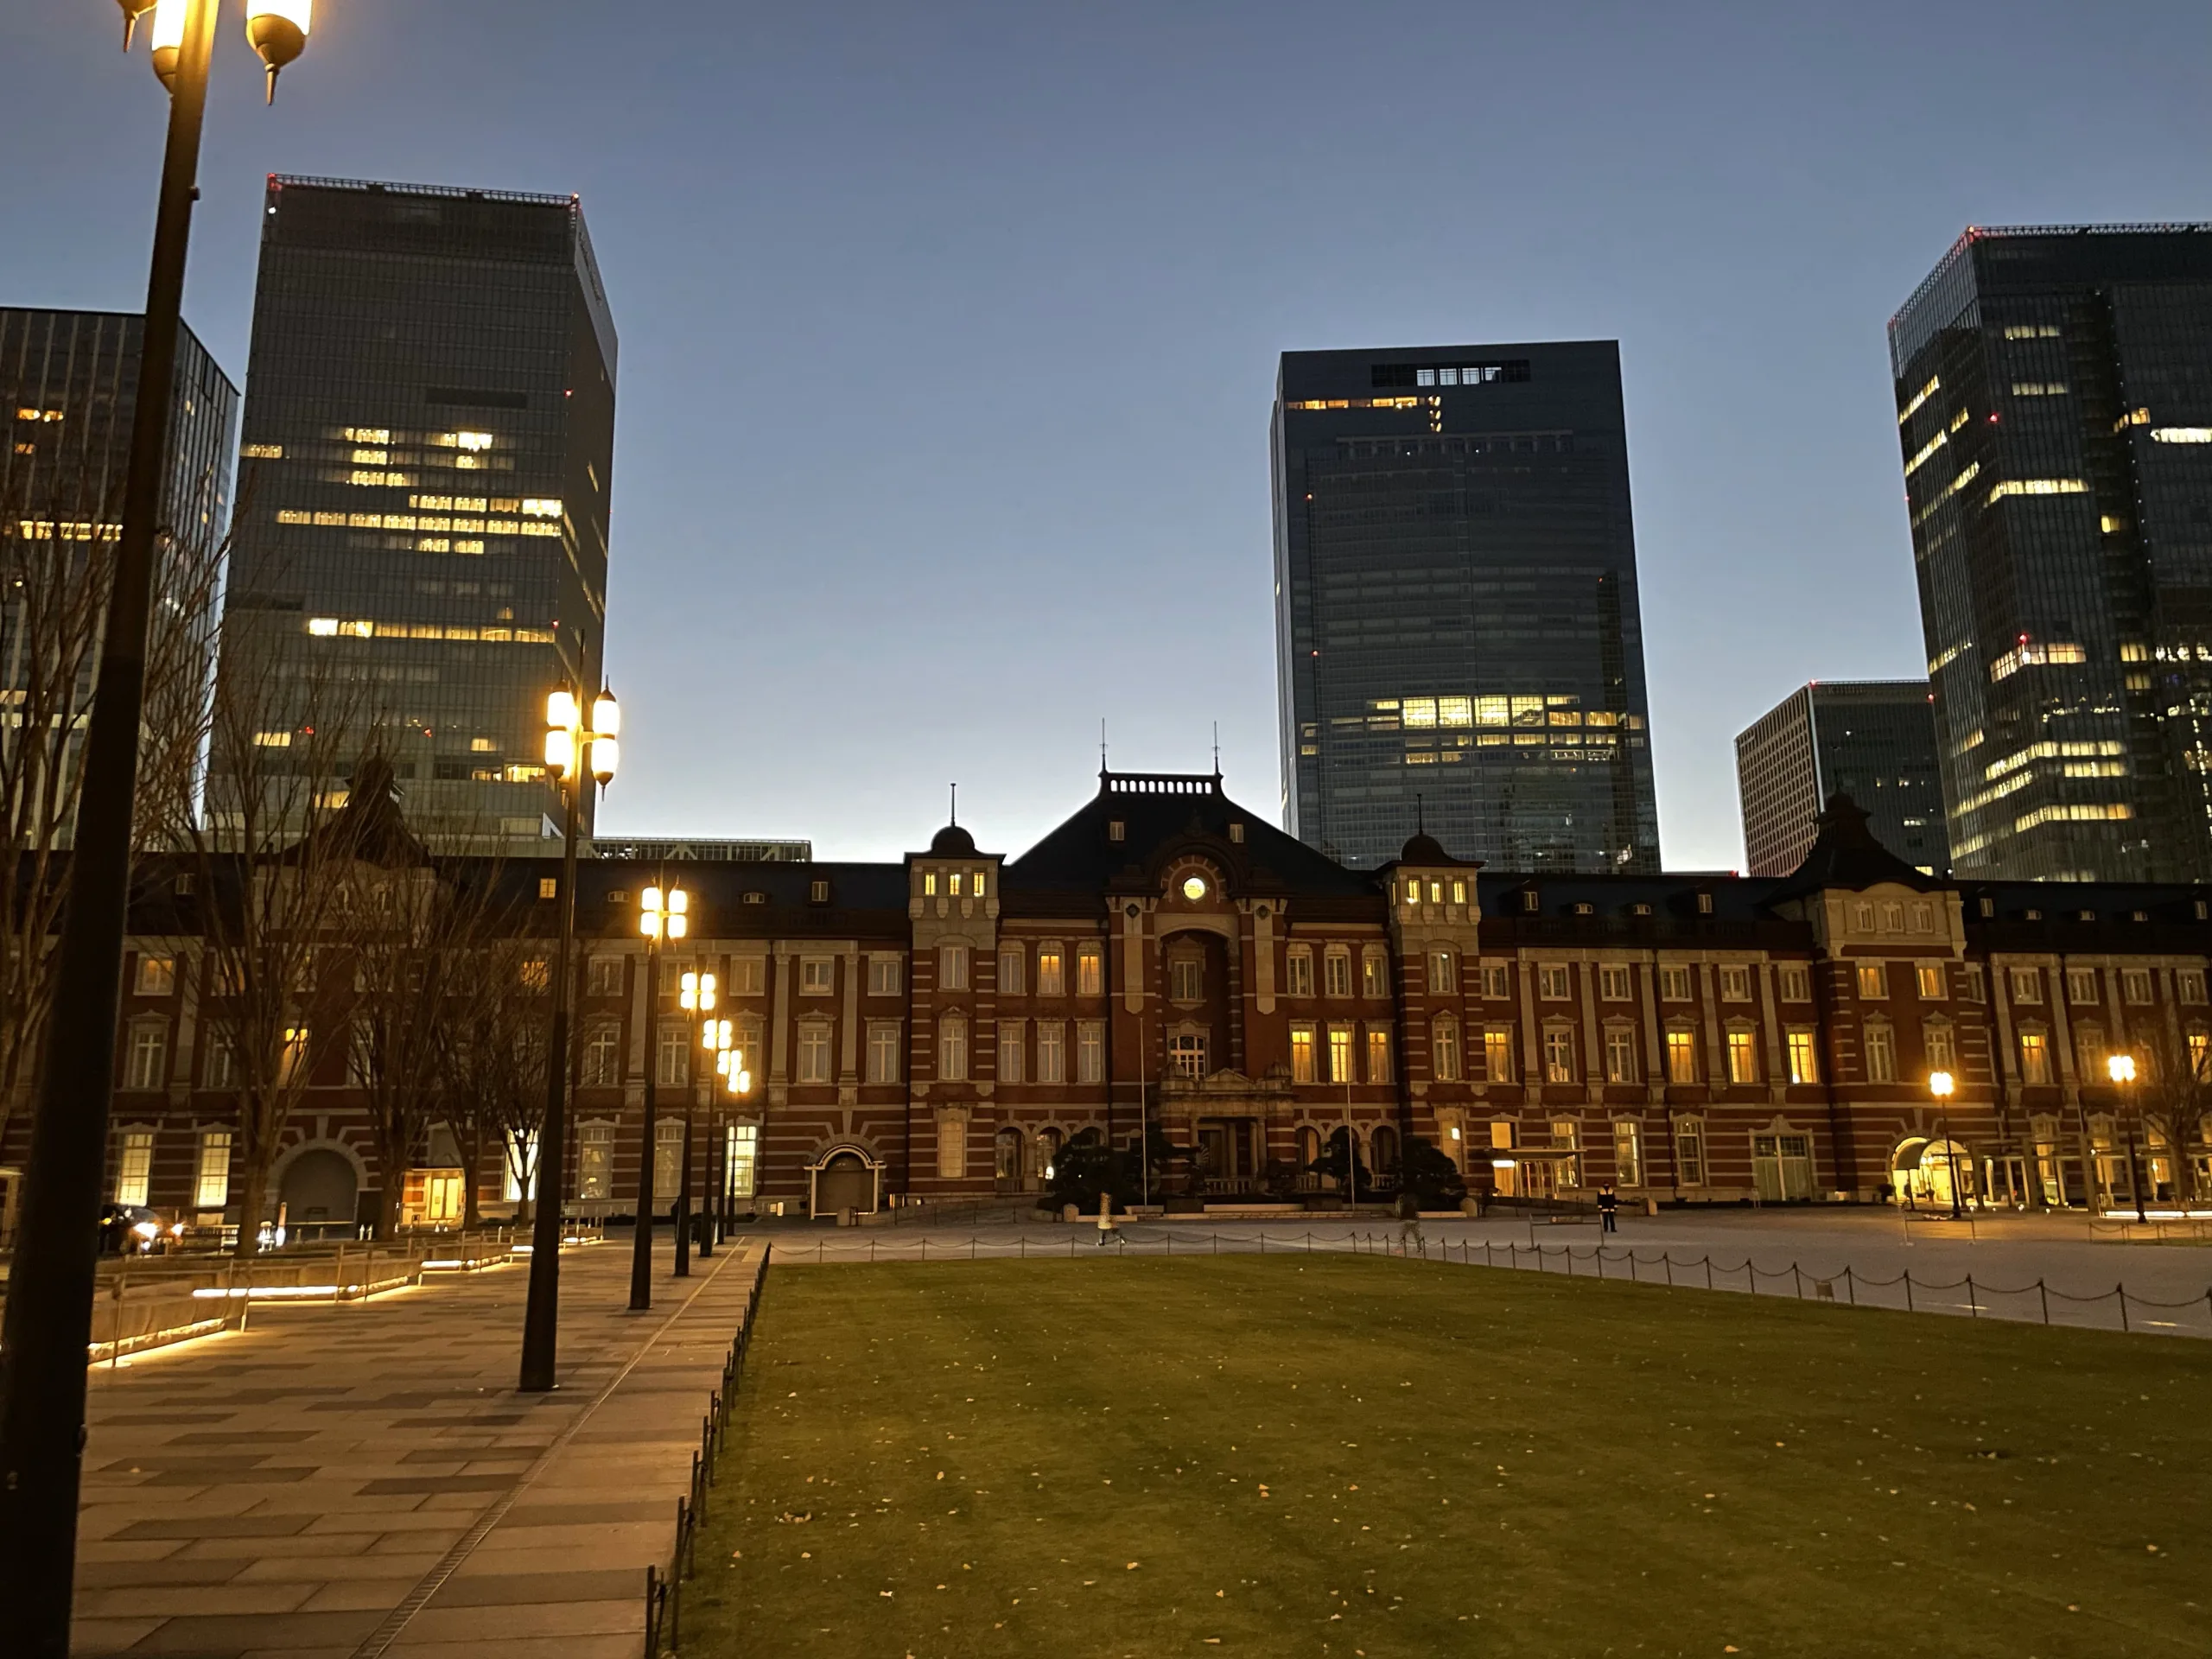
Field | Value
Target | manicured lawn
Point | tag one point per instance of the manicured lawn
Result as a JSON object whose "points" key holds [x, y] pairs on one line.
{"points": [[1353, 1456]]}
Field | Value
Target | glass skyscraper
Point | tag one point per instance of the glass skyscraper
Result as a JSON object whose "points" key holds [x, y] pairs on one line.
{"points": [[1872, 740], [68, 384], [2053, 398], [428, 454], [1457, 630]]}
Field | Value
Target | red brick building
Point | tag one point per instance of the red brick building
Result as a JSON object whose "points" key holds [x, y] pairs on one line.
{"points": [[941, 1027]]}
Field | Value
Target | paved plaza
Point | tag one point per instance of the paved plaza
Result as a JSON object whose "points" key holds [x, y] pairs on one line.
{"points": [[362, 1479]]}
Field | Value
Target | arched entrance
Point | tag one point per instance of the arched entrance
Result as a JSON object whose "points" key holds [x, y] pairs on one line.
{"points": [[1008, 1166], [846, 1180], [1925, 1172], [319, 1185]]}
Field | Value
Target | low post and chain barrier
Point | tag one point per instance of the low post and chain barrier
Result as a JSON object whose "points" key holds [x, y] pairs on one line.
{"points": [[665, 1588], [1802, 1283]]}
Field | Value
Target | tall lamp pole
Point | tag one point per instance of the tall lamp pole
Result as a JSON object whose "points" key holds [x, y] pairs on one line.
{"points": [[1940, 1084], [698, 999], [573, 752], [48, 1321], [2122, 1068], [660, 915], [729, 1066]]}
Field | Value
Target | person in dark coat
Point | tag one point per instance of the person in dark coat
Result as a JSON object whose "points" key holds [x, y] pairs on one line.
{"points": [[1609, 1206]]}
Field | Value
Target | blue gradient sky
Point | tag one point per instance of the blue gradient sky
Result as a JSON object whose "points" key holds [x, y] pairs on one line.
{"points": [[949, 331]]}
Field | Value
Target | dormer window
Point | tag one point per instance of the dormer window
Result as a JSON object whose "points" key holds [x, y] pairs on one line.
{"points": [[819, 892], [1116, 829], [1705, 903], [1237, 833]]}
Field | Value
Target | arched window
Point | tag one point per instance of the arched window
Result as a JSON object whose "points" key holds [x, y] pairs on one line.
{"points": [[1006, 1153], [1048, 1152], [1383, 1144]]}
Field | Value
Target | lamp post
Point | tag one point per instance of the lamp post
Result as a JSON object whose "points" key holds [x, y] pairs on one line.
{"points": [[729, 1066], [698, 998], [660, 915], [2122, 1068], [573, 752], [714, 1038], [48, 1318], [1940, 1084]]}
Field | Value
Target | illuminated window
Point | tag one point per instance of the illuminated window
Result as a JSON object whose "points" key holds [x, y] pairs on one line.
{"points": [[262, 451], [1378, 1054], [1743, 1056], [1681, 1055], [2037, 486], [156, 975], [2034, 1058], [1051, 980], [1873, 981], [1804, 1057], [134, 1166], [1089, 971], [211, 1185], [1497, 1054], [1302, 1053], [1932, 981], [1340, 1054], [535, 507], [2180, 434]]}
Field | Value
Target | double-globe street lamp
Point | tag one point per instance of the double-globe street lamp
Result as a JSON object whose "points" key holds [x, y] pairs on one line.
{"points": [[48, 1321], [663, 915], [697, 1000], [729, 1066], [574, 753]]}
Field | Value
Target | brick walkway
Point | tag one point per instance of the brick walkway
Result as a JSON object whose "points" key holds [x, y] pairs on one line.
{"points": [[362, 1479]]}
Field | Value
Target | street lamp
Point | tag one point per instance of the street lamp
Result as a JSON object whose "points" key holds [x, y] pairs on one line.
{"points": [[1940, 1084], [698, 998], [573, 752], [2122, 1068], [661, 916], [729, 1064], [48, 1321]]}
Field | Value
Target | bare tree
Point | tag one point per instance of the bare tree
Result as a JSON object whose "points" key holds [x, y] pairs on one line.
{"points": [[54, 576], [494, 1064], [272, 849]]}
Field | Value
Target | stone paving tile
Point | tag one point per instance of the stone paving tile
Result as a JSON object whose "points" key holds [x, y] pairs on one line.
{"points": [[313, 1471]]}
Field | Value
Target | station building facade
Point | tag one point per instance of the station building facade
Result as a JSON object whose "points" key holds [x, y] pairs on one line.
{"points": [[939, 1028]]}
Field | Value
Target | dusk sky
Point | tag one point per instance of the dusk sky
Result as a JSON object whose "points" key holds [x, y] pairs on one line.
{"points": [[948, 332]]}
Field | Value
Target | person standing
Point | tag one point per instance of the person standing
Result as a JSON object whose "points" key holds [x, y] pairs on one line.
{"points": [[1609, 1206], [1409, 1238], [1105, 1219]]}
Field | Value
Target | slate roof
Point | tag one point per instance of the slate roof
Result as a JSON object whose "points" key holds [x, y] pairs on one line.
{"points": [[1163, 814]]}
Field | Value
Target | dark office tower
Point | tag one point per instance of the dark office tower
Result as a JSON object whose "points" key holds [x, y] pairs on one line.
{"points": [[428, 441], [1872, 740], [68, 383], [2054, 392], [1457, 634]]}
